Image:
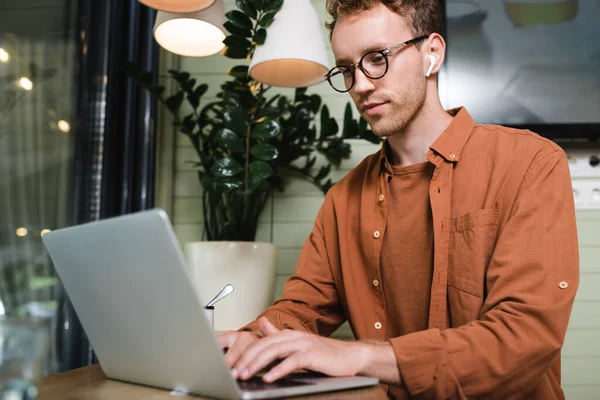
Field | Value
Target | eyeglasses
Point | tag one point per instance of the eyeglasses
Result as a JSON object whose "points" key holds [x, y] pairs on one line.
{"points": [[374, 65]]}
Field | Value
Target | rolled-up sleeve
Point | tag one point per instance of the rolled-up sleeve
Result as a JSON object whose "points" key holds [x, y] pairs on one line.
{"points": [[310, 301], [531, 283]]}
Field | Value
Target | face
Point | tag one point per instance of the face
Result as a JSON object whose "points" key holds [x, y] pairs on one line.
{"points": [[388, 104]]}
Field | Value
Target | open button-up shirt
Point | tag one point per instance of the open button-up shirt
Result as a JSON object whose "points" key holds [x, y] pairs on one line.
{"points": [[505, 268]]}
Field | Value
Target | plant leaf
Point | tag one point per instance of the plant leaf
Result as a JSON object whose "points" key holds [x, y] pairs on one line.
{"points": [[187, 125], [237, 41], [239, 19], [261, 169], [282, 104], [350, 130], [332, 128], [302, 118], [323, 172], [235, 119], [260, 36], [258, 4], [247, 8], [267, 19], [239, 71], [325, 122], [236, 30], [200, 90], [271, 5], [235, 53], [193, 100], [315, 103], [226, 167], [299, 94], [230, 140], [264, 151], [180, 77], [174, 102], [227, 184], [266, 130]]}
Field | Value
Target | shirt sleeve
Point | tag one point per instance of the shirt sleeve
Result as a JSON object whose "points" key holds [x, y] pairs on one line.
{"points": [[531, 283], [310, 300]]}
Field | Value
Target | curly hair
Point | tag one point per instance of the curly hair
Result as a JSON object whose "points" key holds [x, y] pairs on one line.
{"points": [[423, 15]]}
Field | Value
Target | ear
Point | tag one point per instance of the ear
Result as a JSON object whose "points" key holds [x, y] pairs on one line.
{"points": [[433, 49]]}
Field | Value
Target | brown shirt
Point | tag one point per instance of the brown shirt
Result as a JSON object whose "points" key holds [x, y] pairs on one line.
{"points": [[407, 251], [505, 269]]}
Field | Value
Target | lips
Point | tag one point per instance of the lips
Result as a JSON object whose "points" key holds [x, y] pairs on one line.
{"points": [[371, 108]]}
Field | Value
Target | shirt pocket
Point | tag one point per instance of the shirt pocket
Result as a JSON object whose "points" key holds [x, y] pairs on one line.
{"points": [[472, 240]]}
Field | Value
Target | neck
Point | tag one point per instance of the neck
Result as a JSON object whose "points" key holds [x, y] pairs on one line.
{"points": [[410, 145]]}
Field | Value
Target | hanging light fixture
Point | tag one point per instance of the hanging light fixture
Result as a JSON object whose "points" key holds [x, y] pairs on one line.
{"points": [[178, 6], [195, 34], [294, 53]]}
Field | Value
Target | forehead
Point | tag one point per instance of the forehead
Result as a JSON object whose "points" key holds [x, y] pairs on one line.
{"points": [[375, 28]]}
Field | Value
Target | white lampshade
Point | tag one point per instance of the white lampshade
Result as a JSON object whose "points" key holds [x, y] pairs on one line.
{"points": [[178, 6], [195, 34], [294, 53]]}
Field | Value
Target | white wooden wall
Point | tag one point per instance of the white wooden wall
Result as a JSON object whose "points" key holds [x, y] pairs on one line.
{"points": [[288, 220]]}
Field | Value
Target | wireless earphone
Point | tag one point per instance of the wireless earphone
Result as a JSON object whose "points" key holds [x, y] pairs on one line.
{"points": [[431, 65]]}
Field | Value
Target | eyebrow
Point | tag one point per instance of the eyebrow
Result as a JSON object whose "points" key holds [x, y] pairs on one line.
{"points": [[379, 46]]}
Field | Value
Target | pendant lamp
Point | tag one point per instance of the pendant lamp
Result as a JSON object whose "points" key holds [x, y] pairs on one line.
{"points": [[195, 34], [294, 53], [178, 6]]}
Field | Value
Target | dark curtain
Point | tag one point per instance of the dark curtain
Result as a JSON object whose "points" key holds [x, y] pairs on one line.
{"points": [[114, 160]]}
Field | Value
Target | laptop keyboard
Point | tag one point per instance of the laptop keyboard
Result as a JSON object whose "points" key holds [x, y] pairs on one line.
{"points": [[256, 383]]}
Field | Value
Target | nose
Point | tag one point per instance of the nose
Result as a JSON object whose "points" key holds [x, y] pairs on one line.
{"points": [[362, 83]]}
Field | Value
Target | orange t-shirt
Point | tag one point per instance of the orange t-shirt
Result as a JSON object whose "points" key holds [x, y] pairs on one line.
{"points": [[406, 263]]}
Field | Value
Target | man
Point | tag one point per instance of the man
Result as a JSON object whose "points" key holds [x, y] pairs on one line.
{"points": [[452, 252]]}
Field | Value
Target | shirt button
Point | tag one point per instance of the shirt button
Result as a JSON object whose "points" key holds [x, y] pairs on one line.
{"points": [[381, 197], [375, 282], [563, 285], [377, 325], [452, 156], [376, 234]]}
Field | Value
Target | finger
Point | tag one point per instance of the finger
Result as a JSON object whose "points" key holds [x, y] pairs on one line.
{"points": [[238, 348], [260, 346], [286, 367], [266, 327], [233, 355], [226, 339], [272, 353]]}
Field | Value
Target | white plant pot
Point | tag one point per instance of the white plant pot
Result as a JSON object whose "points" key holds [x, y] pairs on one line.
{"points": [[249, 266]]}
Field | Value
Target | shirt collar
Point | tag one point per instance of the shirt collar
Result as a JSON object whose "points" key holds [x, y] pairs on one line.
{"points": [[449, 145]]}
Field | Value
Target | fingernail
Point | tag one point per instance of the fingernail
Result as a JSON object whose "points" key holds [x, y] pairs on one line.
{"points": [[234, 373], [268, 377], [245, 373]]}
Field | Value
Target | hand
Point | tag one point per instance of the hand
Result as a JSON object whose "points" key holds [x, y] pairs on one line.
{"points": [[297, 350], [237, 343]]}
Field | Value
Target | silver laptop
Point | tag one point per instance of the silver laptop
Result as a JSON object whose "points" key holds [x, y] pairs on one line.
{"points": [[129, 284]]}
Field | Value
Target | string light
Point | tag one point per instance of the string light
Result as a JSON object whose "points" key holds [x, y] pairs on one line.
{"points": [[44, 231], [64, 126], [4, 56], [22, 232], [26, 83]]}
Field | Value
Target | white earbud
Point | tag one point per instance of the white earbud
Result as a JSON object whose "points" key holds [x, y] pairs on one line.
{"points": [[431, 65]]}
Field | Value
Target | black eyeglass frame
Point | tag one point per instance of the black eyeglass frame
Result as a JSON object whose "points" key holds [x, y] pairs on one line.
{"points": [[384, 53]]}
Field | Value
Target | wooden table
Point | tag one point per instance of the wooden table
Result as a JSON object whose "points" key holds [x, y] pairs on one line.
{"points": [[90, 383]]}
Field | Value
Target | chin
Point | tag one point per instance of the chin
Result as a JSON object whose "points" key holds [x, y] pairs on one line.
{"points": [[382, 129]]}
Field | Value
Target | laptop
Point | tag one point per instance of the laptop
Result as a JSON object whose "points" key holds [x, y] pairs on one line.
{"points": [[128, 281]]}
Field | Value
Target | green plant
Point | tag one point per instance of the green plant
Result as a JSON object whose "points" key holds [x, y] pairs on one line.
{"points": [[246, 142]]}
